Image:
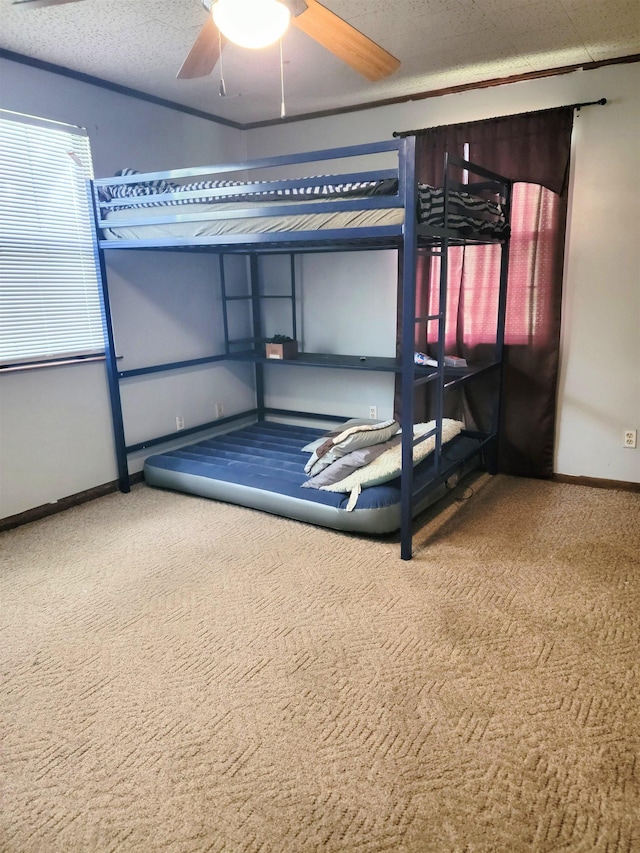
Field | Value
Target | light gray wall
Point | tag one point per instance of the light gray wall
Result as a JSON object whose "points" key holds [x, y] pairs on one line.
{"points": [[334, 318], [55, 427], [599, 393]]}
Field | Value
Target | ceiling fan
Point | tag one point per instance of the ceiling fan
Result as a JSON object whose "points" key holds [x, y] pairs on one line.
{"points": [[311, 17]]}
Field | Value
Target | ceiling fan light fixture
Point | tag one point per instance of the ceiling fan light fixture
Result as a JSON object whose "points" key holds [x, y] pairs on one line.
{"points": [[251, 23]]}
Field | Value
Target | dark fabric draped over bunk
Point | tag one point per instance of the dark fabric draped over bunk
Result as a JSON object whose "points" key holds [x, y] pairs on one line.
{"points": [[533, 150]]}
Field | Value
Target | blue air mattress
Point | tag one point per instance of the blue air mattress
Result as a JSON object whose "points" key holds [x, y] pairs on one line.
{"points": [[262, 466]]}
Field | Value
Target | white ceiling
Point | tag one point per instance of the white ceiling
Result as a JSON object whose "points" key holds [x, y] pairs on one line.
{"points": [[141, 44]]}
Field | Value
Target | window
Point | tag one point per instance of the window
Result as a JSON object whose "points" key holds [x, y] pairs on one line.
{"points": [[50, 304], [474, 277]]}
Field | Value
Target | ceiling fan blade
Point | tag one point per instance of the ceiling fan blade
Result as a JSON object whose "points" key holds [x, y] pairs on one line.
{"points": [[38, 4], [344, 41], [204, 54]]}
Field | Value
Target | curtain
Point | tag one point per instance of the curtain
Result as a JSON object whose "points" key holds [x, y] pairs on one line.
{"points": [[533, 150]]}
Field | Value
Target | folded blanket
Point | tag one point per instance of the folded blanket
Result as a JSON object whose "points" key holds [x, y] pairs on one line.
{"points": [[346, 465], [350, 439], [320, 190], [382, 466]]}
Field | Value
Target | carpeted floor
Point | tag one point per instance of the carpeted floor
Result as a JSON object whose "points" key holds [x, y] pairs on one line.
{"points": [[185, 676]]}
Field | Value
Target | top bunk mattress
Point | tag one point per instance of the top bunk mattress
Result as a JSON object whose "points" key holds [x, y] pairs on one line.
{"points": [[212, 210], [212, 222]]}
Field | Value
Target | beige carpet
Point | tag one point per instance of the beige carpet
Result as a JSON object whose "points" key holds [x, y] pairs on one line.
{"points": [[181, 675]]}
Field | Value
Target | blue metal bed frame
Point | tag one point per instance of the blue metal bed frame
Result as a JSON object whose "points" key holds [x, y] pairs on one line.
{"points": [[408, 238]]}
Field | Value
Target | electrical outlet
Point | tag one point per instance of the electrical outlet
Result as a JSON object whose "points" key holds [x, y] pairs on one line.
{"points": [[179, 422], [219, 410], [630, 438], [373, 412]]}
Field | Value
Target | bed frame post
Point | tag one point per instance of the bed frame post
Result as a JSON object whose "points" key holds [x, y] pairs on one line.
{"points": [[124, 483], [442, 317], [223, 297], [492, 453], [294, 310], [407, 172], [254, 275]]}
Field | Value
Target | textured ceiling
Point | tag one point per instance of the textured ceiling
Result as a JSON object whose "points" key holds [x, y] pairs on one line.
{"points": [[141, 44]]}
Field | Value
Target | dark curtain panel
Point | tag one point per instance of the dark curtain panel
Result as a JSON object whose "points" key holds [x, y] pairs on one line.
{"points": [[533, 150]]}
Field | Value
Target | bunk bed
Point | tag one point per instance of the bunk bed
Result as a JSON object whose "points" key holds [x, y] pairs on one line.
{"points": [[370, 477]]}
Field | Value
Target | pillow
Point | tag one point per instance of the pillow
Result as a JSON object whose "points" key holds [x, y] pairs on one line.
{"points": [[335, 431], [339, 469], [388, 465], [350, 439]]}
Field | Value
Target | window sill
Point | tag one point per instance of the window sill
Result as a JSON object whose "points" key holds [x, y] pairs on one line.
{"points": [[59, 362]]}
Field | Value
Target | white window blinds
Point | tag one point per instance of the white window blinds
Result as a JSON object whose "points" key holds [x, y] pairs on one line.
{"points": [[49, 285]]}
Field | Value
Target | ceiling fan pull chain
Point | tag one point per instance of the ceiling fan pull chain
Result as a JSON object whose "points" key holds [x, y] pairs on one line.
{"points": [[222, 91], [283, 111]]}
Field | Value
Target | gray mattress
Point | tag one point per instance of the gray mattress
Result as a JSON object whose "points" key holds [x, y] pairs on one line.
{"points": [[121, 224], [262, 466]]}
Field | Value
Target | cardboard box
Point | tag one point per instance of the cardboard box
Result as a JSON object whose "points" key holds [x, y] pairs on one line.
{"points": [[287, 350]]}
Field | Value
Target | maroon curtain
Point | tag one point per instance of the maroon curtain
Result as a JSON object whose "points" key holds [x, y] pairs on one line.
{"points": [[533, 150], [529, 148]]}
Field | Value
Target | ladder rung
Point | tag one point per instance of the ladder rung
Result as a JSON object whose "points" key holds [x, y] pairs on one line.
{"points": [[428, 317], [249, 296]]}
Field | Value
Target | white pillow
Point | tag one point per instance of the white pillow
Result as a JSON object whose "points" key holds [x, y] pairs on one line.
{"points": [[350, 439], [342, 467], [389, 464], [335, 431]]}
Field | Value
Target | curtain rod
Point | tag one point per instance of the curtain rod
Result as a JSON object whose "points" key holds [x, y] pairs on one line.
{"points": [[601, 102]]}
